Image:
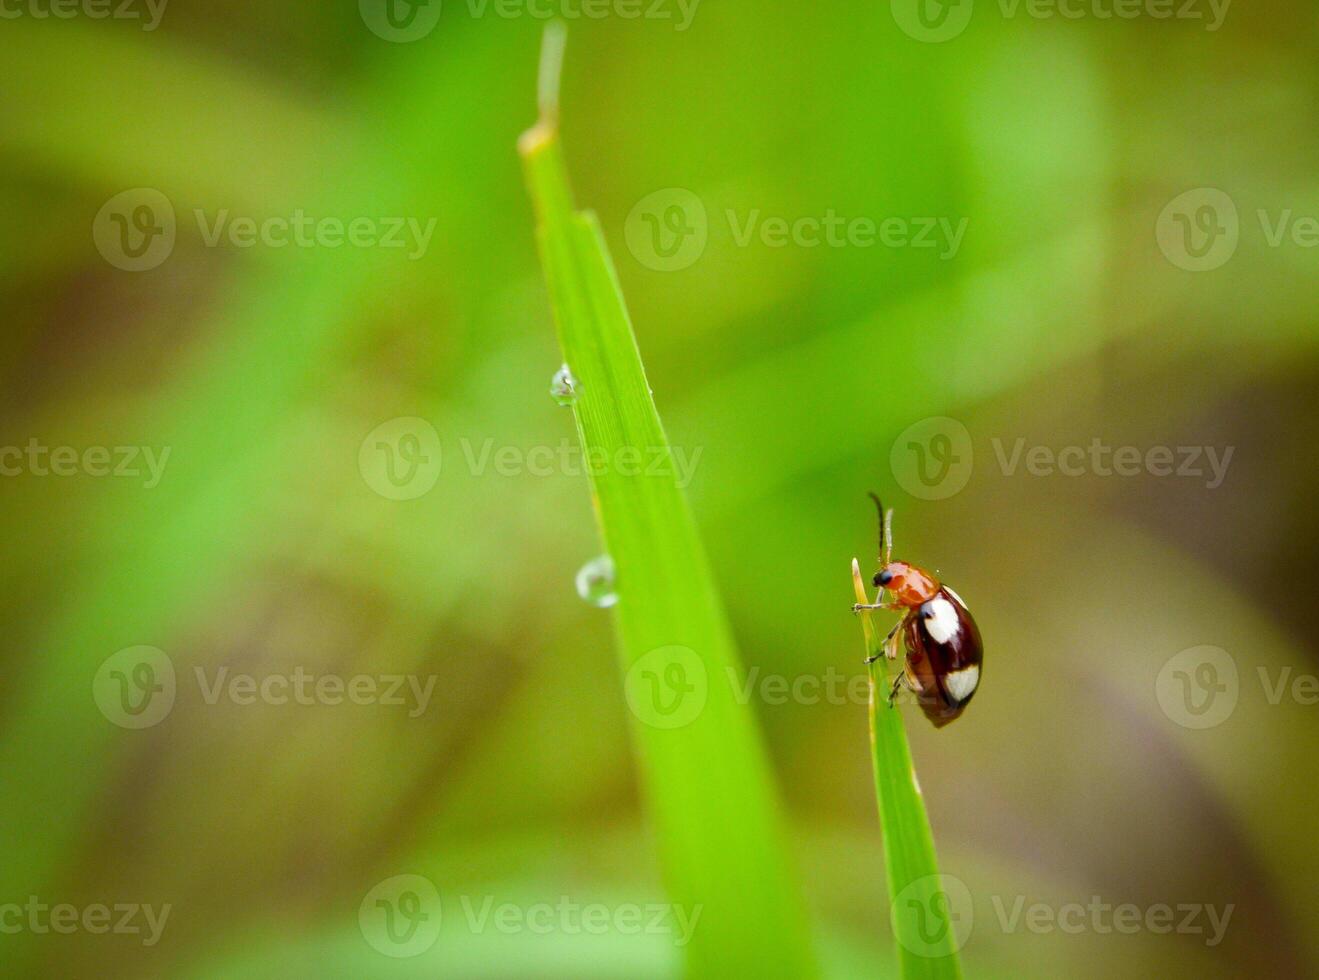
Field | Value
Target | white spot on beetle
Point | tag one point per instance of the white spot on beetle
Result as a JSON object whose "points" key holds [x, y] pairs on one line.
{"points": [[961, 684], [941, 620]]}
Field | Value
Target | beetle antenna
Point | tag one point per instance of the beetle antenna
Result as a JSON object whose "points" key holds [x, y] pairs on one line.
{"points": [[888, 535], [885, 529], [879, 507]]}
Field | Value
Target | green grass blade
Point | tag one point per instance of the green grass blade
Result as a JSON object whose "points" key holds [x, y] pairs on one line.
{"points": [[926, 908], [706, 777]]}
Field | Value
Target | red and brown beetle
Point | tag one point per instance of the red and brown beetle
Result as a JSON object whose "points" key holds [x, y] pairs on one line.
{"points": [[943, 645]]}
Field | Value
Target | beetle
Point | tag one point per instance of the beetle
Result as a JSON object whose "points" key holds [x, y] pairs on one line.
{"points": [[942, 641]]}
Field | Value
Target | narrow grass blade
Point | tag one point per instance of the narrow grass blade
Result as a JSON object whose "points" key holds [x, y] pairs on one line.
{"points": [[706, 777], [929, 911]]}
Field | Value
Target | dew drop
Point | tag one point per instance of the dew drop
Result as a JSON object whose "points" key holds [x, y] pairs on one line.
{"points": [[564, 388], [595, 582]]}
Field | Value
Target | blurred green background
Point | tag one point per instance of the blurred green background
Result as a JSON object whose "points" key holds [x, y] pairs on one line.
{"points": [[1088, 299]]}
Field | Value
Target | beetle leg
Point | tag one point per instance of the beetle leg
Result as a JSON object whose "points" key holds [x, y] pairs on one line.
{"points": [[886, 606], [899, 683], [889, 646], [891, 641]]}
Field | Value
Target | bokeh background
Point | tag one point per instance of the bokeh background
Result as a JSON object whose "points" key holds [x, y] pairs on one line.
{"points": [[1088, 299]]}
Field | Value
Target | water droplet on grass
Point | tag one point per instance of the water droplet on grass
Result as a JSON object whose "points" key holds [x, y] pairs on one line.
{"points": [[564, 388], [595, 582]]}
